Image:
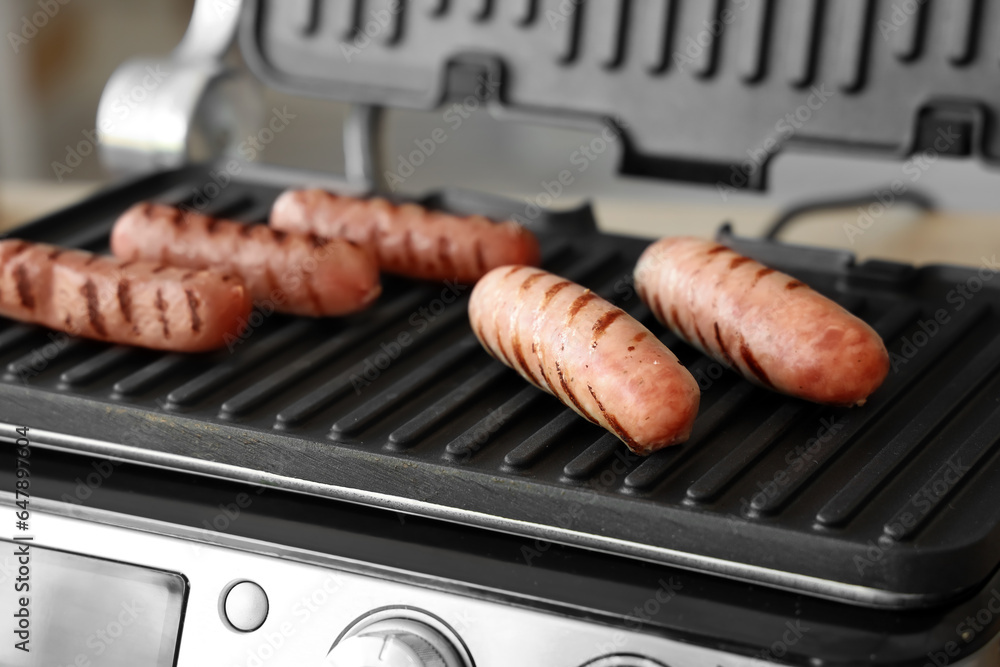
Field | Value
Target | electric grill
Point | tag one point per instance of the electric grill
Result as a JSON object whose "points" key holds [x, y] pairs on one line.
{"points": [[468, 518]]}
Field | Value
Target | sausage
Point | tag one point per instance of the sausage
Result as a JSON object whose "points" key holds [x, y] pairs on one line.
{"points": [[409, 239], [772, 329], [303, 274], [135, 303], [586, 352]]}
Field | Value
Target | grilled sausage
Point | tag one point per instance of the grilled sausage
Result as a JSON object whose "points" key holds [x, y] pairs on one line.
{"points": [[410, 240], [303, 274], [588, 353], [136, 303], [772, 329]]}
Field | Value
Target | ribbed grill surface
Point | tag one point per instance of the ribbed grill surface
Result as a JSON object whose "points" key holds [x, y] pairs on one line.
{"points": [[705, 90], [905, 483]]}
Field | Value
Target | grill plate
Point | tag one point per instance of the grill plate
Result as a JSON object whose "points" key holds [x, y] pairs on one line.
{"points": [[769, 489]]}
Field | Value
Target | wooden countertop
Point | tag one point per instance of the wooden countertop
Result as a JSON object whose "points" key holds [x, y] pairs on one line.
{"points": [[900, 234]]}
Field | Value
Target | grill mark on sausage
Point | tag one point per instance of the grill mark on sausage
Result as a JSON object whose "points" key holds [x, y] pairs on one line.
{"points": [[503, 352], [515, 338], [752, 365], [722, 346], [701, 337], [125, 299], [480, 259], [125, 265], [89, 292], [55, 254], [640, 336], [161, 267], [677, 323], [579, 303], [658, 309], [91, 260], [246, 230], [177, 218], [513, 270], [193, 304], [444, 255], [529, 281], [602, 324], [24, 287], [161, 306], [570, 395], [318, 241], [760, 274], [613, 422], [188, 275], [737, 261], [550, 294], [212, 225], [20, 247], [408, 251], [794, 284], [545, 376], [278, 235], [484, 340], [147, 208], [272, 283], [515, 344], [717, 249]]}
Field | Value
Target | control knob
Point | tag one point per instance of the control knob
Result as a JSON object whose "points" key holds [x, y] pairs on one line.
{"points": [[395, 642]]}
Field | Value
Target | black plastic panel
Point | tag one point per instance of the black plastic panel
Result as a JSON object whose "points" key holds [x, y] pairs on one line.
{"points": [[704, 90], [766, 485]]}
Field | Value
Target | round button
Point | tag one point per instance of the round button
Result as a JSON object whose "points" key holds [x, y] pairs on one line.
{"points": [[244, 606]]}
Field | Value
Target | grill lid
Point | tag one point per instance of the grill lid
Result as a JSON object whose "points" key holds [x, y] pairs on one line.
{"points": [[705, 91], [891, 504]]}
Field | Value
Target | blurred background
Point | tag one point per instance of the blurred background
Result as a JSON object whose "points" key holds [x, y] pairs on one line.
{"points": [[51, 82]]}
